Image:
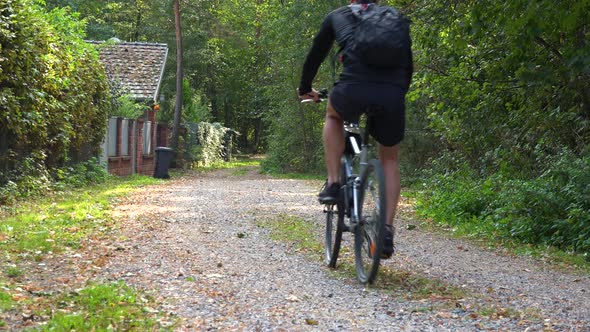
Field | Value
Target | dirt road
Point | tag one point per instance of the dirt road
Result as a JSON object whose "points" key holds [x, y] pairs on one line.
{"points": [[199, 244]]}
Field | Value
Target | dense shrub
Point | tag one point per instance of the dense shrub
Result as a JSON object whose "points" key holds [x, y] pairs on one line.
{"points": [[33, 179], [53, 89], [205, 144], [295, 144], [552, 209], [81, 174]]}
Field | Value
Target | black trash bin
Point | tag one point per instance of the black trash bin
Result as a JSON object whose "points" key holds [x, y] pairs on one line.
{"points": [[163, 159]]}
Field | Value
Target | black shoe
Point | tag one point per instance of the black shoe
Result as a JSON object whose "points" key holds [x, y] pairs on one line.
{"points": [[329, 195], [388, 248]]}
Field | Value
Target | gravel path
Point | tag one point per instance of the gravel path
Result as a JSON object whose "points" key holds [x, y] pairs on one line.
{"points": [[198, 245]]}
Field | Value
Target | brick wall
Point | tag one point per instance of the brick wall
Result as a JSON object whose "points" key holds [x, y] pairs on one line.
{"points": [[119, 164], [122, 165]]}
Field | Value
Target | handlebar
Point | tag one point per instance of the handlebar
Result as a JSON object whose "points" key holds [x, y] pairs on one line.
{"points": [[323, 94]]}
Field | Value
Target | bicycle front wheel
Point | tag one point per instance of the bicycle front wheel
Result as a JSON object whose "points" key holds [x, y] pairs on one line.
{"points": [[334, 222], [370, 231]]}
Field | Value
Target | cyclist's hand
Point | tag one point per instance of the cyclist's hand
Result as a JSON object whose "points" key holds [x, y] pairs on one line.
{"points": [[310, 96]]}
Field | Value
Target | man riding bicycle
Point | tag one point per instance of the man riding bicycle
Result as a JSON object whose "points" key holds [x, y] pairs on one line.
{"points": [[360, 85]]}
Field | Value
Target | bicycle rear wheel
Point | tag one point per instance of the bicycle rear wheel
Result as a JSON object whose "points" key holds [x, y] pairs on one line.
{"points": [[370, 231]]}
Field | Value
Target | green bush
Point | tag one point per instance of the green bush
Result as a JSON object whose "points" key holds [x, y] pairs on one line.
{"points": [[211, 138], [53, 89], [127, 107], [34, 180], [295, 144], [81, 174], [205, 144], [552, 209], [30, 178]]}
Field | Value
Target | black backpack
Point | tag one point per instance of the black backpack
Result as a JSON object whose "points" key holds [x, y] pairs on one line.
{"points": [[381, 37]]}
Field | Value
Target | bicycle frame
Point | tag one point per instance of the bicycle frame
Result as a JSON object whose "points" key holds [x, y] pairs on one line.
{"points": [[353, 181]]}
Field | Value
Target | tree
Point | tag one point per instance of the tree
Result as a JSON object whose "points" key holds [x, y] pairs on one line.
{"points": [[179, 75]]}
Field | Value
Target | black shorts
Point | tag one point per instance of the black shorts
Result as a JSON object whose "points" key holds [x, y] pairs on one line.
{"points": [[351, 99]]}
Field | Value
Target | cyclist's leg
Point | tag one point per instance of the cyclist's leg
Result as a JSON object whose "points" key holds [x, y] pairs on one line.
{"points": [[388, 155], [333, 142]]}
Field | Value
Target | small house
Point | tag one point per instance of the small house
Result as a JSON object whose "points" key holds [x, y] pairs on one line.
{"points": [[129, 145]]}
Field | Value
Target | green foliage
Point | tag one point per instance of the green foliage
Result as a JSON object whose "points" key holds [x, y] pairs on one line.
{"points": [[33, 180], [103, 307], [30, 178], [128, 20], [127, 107], [553, 209], [500, 88], [211, 138], [53, 90], [196, 108], [296, 142], [80, 175]]}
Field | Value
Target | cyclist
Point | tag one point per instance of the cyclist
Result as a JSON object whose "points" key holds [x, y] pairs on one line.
{"points": [[359, 86]]}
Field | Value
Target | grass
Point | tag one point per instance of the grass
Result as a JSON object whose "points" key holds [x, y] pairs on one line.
{"points": [[242, 164], [6, 301], [431, 295], [6, 304], [13, 272], [296, 231], [485, 236], [62, 220], [303, 236], [33, 229], [113, 306], [239, 163]]}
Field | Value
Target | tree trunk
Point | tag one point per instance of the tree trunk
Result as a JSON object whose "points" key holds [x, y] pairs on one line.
{"points": [[137, 24], [257, 134], [179, 77]]}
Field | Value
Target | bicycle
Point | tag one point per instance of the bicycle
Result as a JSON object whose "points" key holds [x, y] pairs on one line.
{"points": [[362, 202]]}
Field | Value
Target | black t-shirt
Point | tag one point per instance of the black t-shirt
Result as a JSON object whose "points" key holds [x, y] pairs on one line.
{"points": [[338, 26]]}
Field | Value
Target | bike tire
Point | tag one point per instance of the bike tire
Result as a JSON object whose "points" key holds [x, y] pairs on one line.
{"points": [[335, 223], [333, 234], [370, 231]]}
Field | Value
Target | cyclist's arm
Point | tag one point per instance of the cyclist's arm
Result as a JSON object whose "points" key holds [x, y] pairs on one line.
{"points": [[322, 43]]}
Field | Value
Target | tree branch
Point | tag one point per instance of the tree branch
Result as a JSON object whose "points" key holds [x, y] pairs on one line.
{"points": [[548, 47]]}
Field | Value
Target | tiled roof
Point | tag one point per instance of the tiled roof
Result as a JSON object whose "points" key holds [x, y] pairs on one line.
{"points": [[137, 66]]}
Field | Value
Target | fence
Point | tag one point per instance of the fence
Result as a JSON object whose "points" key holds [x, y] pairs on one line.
{"points": [[129, 146]]}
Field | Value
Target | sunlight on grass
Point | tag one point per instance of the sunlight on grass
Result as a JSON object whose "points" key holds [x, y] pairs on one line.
{"points": [[59, 221], [294, 230], [239, 162], [38, 227], [99, 307]]}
